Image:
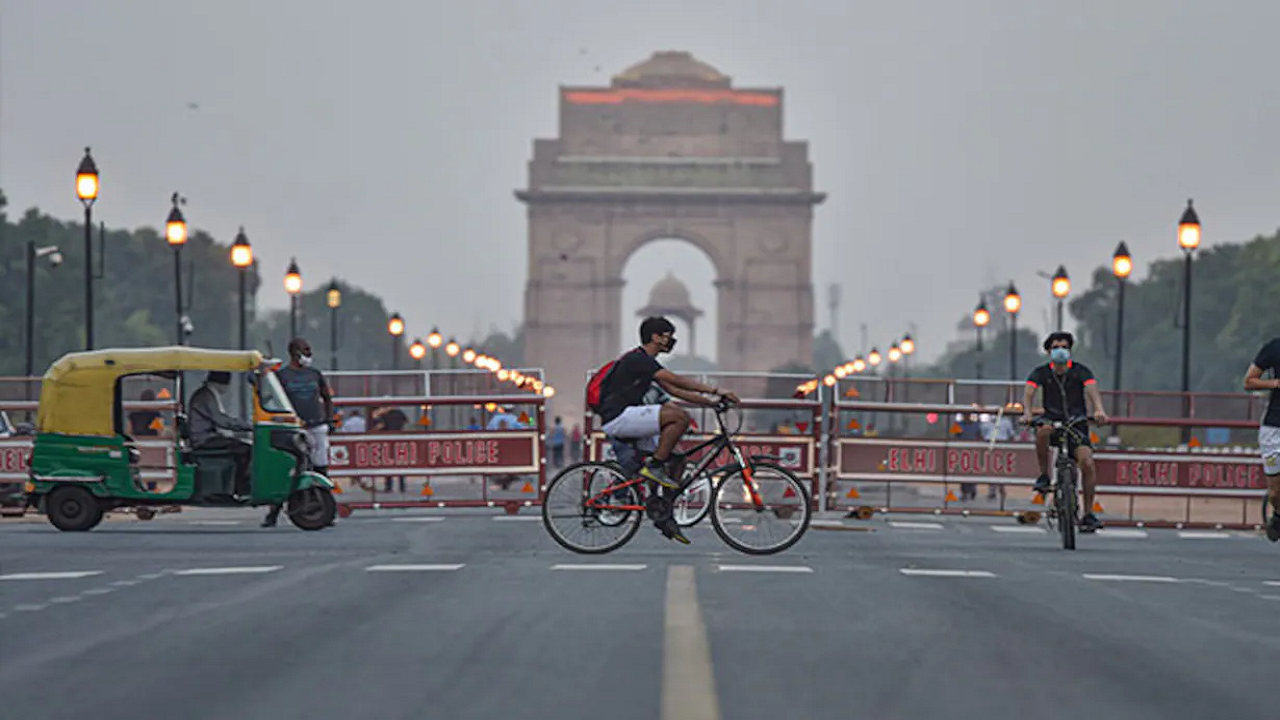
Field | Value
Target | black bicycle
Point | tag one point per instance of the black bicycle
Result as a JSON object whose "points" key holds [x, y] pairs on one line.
{"points": [[757, 507], [1065, 510]]}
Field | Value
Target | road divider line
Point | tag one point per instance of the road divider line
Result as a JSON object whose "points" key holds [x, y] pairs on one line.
{"points": [[688, 680], [65, 599], [1201, 535], [151, 576], [906, 525], [597, 566], [1018, 529], [29, 608], [765, 568], [418, 519], [98, 591], [124, 583], [1131, 578], [69, 575], [947, 573], [215, 522], [252, 570], [1121, 533], [1270, 597], [438, 567], [517, 518], [1272, 583]]}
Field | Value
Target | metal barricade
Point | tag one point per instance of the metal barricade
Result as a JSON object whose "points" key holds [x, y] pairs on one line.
{"points": [[922, 456], [424, 466]]}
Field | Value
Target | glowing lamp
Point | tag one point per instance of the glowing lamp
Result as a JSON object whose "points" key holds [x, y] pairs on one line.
{"points": [[241, 251]]}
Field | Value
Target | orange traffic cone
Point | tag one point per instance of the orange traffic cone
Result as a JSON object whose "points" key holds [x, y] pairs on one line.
{"points": [[426, 489], [853, 493]]}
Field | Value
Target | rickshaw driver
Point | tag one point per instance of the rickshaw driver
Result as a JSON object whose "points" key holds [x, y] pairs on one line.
{"points": [[211, 426]]}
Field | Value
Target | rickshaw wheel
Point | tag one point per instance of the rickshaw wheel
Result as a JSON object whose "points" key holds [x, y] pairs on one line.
{"points": [[312, 508], [73, 509]]}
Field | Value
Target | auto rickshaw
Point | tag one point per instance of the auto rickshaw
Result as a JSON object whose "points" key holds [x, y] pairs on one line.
{"points": [[84, 463]]}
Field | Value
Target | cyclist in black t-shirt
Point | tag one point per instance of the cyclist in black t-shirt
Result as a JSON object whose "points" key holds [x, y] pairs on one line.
{"points": [[1267, 362], [655, 427], [1068, 388]]}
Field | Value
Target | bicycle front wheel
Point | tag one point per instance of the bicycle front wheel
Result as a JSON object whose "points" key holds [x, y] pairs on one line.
{"points": [[1066, 500], [760, 511], [588, 526]]}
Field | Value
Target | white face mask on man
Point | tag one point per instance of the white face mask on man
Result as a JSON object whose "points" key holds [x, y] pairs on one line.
{"points": [[304, 360]]}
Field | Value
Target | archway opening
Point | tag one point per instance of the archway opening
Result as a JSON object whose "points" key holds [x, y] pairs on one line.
{"points": [[648, 276]]}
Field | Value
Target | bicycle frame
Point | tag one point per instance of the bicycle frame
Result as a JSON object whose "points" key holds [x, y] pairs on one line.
{"points": [[720, 442]]}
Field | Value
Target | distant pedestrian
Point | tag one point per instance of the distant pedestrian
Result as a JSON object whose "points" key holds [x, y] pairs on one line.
{"points": [[556, 442], [575, 443]]}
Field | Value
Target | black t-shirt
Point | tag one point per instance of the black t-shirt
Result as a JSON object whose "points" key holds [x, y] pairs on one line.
{"points": [[1268, 359], [1069, 384], [627, 383], [305, 387]]}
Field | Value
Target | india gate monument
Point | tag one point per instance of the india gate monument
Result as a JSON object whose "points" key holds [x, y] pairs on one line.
{"points": [[671, 149]]}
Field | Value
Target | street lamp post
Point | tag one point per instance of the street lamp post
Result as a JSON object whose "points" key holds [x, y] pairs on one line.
{"points": [[1122, 267], [242, 259], [55, 259], [87, 191], [293, 286], [1188, 240], [333, 298], [417, 351], [175, 231], [452, 349], [395, 326], [1061, 287], [1012, 304], [981, 318]]}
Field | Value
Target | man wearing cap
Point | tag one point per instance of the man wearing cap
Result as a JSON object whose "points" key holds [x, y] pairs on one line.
{"points": [[212, 426]]}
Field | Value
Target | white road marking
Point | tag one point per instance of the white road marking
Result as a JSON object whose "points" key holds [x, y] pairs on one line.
{"points": [[688, 680], [765, 568], [125, 583], [214, 522], [250, 570], [825, 523], [597, 566], [71, 575], [1018, 529], [418, 519], [414, 568], [151, 576], [29, 608], [1270, 597], [64, 599], [1273, 583], [1132, 578], [1121, 533], [517, 518], [947, 573], [915, 525], [98, 591], [1200, 535]]}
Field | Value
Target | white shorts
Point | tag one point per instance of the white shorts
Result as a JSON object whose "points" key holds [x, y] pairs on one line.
{"points": [[318, 443], [1269, 447], [638, 423]]}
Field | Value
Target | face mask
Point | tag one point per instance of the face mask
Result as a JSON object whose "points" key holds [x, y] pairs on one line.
{"points": [[1059, 355], [671, 345], [304, 360]]}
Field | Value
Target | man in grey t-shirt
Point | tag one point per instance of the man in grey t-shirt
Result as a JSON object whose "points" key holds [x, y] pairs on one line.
{"points": [[311, 398]]}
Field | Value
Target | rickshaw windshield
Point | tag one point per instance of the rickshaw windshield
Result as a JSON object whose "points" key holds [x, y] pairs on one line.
{"points": [[271, 395]]}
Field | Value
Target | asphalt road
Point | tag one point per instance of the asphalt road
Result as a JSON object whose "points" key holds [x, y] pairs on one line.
{"points": [[391, 615]]}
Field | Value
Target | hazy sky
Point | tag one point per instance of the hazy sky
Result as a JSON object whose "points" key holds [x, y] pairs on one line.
{"points": [[961, 143]]}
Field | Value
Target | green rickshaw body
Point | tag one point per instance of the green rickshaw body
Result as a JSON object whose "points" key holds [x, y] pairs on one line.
{"points": [[80, 444]]}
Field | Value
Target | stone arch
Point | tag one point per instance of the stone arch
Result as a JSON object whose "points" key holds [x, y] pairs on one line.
{"points": [[655, 156]]}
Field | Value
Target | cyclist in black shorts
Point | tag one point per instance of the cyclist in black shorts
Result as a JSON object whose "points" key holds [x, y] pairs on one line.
{"points": [[1068, 389]]}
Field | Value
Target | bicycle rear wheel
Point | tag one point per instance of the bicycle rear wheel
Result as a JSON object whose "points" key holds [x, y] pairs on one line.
{"points": [[776, 523], [1066, 500], [574, 524]]}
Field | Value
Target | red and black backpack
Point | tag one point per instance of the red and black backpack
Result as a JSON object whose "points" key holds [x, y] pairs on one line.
{"points": [[595, 386]]}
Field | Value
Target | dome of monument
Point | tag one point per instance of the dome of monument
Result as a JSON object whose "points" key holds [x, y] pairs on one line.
{"points": [[670, 293], [671, 68]]}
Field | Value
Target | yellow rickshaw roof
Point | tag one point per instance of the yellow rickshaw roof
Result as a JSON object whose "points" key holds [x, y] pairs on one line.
{"points": [[77, 394]]}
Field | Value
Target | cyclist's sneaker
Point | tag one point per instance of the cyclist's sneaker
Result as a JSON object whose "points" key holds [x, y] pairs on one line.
{"points": [[1090, 523], [1273, 527], [656, 471], [1043, 485], [671, 530]]}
